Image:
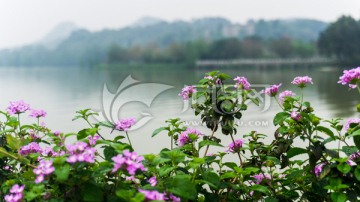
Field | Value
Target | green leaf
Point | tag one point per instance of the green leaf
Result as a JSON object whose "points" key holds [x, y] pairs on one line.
{"points": [[271, 199], [357, 173], [223, 76], [213, 178], [165, 170], [109, 152], [107, 124], [357, 141], [344, 168], [260, 188], [327, 131], [3, 152], [86, 132], [338, 197], [296, 151], [181, 186], [92, 192], [255, 101], [208, 142], [13, 142], [157, 131], [62, 172], [280, 118], [228, 175], [348, 150]]}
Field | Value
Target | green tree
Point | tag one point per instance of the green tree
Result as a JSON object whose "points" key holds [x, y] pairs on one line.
{"points": [[341, 39]]}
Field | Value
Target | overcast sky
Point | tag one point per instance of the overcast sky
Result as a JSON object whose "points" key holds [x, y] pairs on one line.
{"points": [[25, 21]]}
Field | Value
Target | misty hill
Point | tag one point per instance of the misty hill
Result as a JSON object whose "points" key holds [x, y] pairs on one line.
{"points": [[75, 46], [58, 34]]}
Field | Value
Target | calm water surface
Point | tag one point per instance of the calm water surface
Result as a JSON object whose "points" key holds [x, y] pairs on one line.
{"points": [[63, 90]]}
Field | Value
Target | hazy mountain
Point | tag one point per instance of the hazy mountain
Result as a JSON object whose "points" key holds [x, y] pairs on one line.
{"points": [[57, 35], [146, 21], [67, 44]]}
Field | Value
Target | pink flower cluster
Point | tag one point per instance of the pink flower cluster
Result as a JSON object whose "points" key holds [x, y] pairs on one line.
{"points": [[259, 178], [187, 91], [129, 161], [48, 151], [318, 169], [235, 146], [17, 107], [157, 196], [349, 122], [45, 168], [350, 77], [184, 137], [301, 81], [295, 115], [285, 94], [152, 181], [81, 152], [272, 90], [352, 158], [37, 113], [242, 82], [16, 193], [93, 139], [124, 124], [32, 147]]}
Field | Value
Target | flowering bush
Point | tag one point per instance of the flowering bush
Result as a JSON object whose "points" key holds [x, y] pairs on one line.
{"points": [[38, 165]]}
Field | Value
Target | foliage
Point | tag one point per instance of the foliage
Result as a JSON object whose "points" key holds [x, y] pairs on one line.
{"points": [[340, 39], [39, 165], [178, 41]]}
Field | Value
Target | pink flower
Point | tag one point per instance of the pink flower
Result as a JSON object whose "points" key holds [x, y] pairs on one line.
{"points": [[184, 137], [125, 124], [295, 115], [259, 178], [32, 147], [272, 90], [152, 181], [285, 94], [16, 193], [353, 158], [129, 161], [80, 152], [187, 92], [235, 147], [93, 139], [57, 132], [318, 169], [301, 81], [242, 82], [349, 122], [350, 77], [18, 107], [45, 168], [37, 113], [153, 195]]}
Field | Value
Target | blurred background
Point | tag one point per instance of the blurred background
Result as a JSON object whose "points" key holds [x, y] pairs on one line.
{"points": [[59, 55]]}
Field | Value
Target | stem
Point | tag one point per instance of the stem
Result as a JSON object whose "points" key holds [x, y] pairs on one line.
{"points": [[127, 135], [238, 153], [207, 146], [279, 103], [19, 122], [14, 157], [171, 145], [93, 127]]}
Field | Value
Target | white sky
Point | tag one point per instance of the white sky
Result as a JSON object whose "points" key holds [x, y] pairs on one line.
{"points": [[25, 21]]}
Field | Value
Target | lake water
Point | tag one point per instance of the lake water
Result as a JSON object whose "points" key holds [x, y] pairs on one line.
{"points": [[63, 90]]}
